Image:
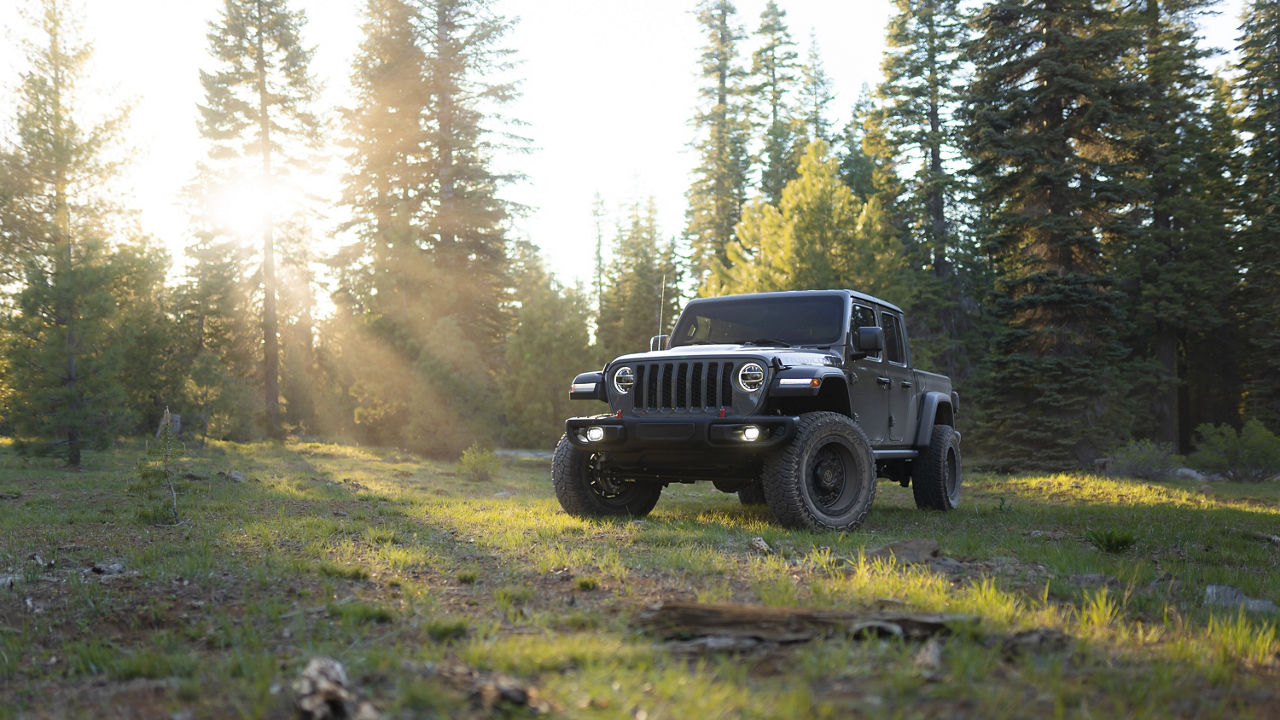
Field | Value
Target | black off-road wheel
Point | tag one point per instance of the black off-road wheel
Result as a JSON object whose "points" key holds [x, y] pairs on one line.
{"points": [[587, 490], [825, 478], [752, 494], [936, 475]]}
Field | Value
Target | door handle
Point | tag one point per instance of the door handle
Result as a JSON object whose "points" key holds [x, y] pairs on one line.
{"points": [[884, 381], [907, 384]]}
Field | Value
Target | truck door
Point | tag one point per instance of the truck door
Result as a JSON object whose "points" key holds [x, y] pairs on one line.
{"points": [[896, 379], [867, 397]]}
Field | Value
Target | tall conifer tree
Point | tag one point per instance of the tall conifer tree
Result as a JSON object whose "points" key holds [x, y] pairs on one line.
{"points": [[548, 339], [1210, 379], [774, 74], [816, 95], [384, 272], [218, 335], [427, 275], [1171, 251], [720, 181], [1258, 87], [1042, 114], [464, 216], [857, 166], [64, 359], [920, 93], [258, 122], [642, 295]]}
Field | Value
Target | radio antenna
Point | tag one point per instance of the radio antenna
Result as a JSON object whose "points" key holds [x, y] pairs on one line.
{"points": [[662, 300]]}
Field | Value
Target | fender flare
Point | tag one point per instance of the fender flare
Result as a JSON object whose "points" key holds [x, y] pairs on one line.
{"points": [[935, 409]]}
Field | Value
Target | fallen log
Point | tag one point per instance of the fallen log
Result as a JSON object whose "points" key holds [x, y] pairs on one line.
{"points": [[747, 625]]}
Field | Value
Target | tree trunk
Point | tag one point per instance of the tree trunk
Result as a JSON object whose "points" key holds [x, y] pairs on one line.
{"points": [[270, 332], [62, 273], [1165, 411]]}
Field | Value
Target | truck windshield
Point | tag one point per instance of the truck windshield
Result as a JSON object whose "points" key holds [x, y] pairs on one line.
{"points": [[771, 321]]}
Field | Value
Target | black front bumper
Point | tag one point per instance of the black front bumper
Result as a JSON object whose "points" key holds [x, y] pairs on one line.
{"points": [[675, 433]]}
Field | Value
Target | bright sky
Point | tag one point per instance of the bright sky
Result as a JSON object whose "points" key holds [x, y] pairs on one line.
{"points": [[609, 87]]}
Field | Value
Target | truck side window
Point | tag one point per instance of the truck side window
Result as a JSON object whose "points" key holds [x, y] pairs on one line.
{"points": [[893, 350], [864, 316]]}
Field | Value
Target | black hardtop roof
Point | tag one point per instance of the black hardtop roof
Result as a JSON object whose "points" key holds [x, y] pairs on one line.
{"points": [[801, 293]]}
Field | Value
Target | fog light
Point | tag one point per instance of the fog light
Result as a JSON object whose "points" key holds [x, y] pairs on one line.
{"points": [[595, 433], [751, 433]]}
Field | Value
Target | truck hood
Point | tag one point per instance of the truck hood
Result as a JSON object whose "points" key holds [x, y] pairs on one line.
{"points": [[789, 357]]}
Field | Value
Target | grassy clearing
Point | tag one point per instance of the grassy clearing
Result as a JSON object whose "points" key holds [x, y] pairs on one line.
{"points": [[1084, 594]]}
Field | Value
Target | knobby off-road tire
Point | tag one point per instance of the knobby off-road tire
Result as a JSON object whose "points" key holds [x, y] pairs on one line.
{"points": [[586, 492], [752, 494], [937, 473], [825, 478]]}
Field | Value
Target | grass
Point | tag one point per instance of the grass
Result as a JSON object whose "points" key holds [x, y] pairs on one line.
{"points": [[394, 566], [1110, 541]]}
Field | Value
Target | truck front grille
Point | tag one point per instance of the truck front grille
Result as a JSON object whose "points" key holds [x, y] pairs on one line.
{"points": [[693, 386]]}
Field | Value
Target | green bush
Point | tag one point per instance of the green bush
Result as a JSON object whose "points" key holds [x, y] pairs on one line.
{"points": [[1251, 455], [1145, 460], [478, 464], [1111, 541]]}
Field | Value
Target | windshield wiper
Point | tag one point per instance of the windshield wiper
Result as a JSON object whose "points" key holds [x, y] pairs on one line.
{"points": [[767, 341]]}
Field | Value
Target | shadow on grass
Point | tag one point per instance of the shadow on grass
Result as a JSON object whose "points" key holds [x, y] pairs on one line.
{"points": [[378, 562]]}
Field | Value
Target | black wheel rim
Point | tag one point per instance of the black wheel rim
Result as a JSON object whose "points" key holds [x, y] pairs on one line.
{"points": [[832, 480], [610, 490]]}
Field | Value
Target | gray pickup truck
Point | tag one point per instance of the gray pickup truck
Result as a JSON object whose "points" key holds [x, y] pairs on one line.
{"points": [[799, 400]]}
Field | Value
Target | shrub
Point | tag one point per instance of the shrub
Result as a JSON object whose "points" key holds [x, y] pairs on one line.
{"points": [[1145, 460], [1111, 541], [478, 464], [1251, 455]]}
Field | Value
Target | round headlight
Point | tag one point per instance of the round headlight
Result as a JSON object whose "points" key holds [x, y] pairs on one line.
{"points": [[750, 377], [624, 379]]}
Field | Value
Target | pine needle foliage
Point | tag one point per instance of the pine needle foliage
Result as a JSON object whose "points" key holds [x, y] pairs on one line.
{"points": [[1258, 92], [63, 361], [259, 126], [425, 283], [720, 181], [1043, 109]]}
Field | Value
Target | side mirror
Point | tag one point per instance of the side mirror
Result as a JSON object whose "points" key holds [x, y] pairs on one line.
{"points": [[868, 341], [658, 342]]}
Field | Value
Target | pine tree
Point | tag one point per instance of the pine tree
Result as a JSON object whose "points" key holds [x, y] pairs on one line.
{"points": [[857, 166], [1171, 250], [642, 295], [1042, 114], [383, 273], [816, 95], [774, 74], [548, 340], [920, 92], [719, 187], [464, 215], [597, 269], [426, 278], [1258, 87], [258, 122], [153, 373], [820, 236], [218, 339], [64, 361], [300, 384], [1211, 382]]}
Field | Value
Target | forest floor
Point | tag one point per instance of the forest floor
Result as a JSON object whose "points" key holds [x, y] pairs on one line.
{"points": [[1068, 595]]}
